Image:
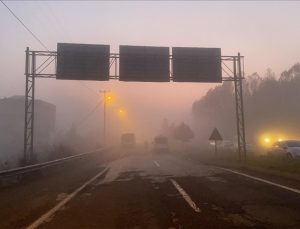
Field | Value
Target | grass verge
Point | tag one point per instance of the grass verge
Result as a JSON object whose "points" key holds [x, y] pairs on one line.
{"points": [[265, 165]]}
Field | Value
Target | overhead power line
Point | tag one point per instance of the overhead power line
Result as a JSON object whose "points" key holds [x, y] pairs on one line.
{"points": [[38, 40], [89, 114]]}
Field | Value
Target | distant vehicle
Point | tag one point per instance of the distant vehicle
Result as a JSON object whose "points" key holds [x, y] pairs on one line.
{"points": [[288, 148], [161, 144], [128, 141]]}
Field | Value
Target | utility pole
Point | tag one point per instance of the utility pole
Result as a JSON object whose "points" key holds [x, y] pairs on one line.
{"points": [[104, 115]]}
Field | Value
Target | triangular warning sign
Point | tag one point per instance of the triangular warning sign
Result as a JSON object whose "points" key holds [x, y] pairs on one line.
{"points": [[215, 136]]}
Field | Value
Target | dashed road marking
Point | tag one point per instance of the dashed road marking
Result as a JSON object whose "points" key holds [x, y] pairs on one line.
{"points": [[156, 163], [185, 196], [263, 180], [47, 215]]}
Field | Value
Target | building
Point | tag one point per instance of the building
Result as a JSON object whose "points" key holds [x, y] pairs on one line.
{"points": [[12, 115]]}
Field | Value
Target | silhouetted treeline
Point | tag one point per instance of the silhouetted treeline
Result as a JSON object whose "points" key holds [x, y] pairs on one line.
{"points": [[181, 132], [272, 103]]}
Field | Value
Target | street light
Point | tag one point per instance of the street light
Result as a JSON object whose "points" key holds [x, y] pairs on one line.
{"points": [[121, 112], [106, 98]]}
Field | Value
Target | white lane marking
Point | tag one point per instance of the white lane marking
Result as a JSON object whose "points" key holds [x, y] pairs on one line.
{"points": [[156, 163], [187, 198], [263, 180], [48, 214]]}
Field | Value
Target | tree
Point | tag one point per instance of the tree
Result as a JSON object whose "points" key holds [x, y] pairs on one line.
{"points": [[252, 84], [292, 73], [183, 133], [271, 105], [216, 108]]}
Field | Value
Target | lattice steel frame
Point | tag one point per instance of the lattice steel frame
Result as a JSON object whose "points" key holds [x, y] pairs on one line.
{"points": [[234, 73]]}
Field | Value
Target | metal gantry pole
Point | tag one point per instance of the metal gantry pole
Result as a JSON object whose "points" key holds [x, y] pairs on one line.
{"points": [[33, 71], [237, 107], [27, 61], [30, 66], [30, 75], [104, 117], [242, 116]]}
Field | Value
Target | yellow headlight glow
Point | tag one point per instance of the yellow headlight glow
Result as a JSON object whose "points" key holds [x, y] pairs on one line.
{"points": [[268, 138]]}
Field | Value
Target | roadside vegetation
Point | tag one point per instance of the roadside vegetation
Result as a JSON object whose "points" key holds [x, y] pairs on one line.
{"points": [[271, 106], [263, 164]]}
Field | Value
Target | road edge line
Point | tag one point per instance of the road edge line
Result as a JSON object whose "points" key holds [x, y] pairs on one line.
{"points": [[58, 206], [263, 180]]}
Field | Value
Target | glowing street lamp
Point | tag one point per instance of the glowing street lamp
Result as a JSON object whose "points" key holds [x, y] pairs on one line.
{"points": [[107, 98], [121, 112]]}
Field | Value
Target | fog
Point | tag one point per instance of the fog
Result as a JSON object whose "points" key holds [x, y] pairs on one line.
{"points": [[145, 105], [79, 113], [264, 34]]}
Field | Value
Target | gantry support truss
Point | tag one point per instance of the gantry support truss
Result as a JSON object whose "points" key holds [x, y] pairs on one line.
{"points": [[232, 67]]}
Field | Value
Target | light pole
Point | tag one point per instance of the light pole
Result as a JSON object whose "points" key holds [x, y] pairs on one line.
{"points": [[104, 114]]}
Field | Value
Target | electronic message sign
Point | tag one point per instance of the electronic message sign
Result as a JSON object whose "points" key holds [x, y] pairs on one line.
{"points": [[82, 62], [144, 63], [196, 64]]}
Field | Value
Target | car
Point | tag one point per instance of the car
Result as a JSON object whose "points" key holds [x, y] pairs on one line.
{"points": [[160, 144], [288, 148]]}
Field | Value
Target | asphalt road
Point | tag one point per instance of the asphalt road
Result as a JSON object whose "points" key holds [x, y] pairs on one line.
{"points": [[152, 191]]}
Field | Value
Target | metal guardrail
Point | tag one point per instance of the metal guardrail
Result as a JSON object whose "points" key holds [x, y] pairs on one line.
{"points": [[30, 168]]}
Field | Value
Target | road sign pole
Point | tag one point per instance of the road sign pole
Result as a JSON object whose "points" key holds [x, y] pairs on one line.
{"points": [[216, 148], [215, 137]]}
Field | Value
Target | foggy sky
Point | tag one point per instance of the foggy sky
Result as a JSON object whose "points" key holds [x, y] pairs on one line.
{"points": [[266, 33]]}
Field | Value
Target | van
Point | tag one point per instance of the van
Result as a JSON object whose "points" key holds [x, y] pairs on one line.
{"points": [[160, 144]]}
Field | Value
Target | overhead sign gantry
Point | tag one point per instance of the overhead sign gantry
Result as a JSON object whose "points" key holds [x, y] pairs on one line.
{"points": [[132, 63]]}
